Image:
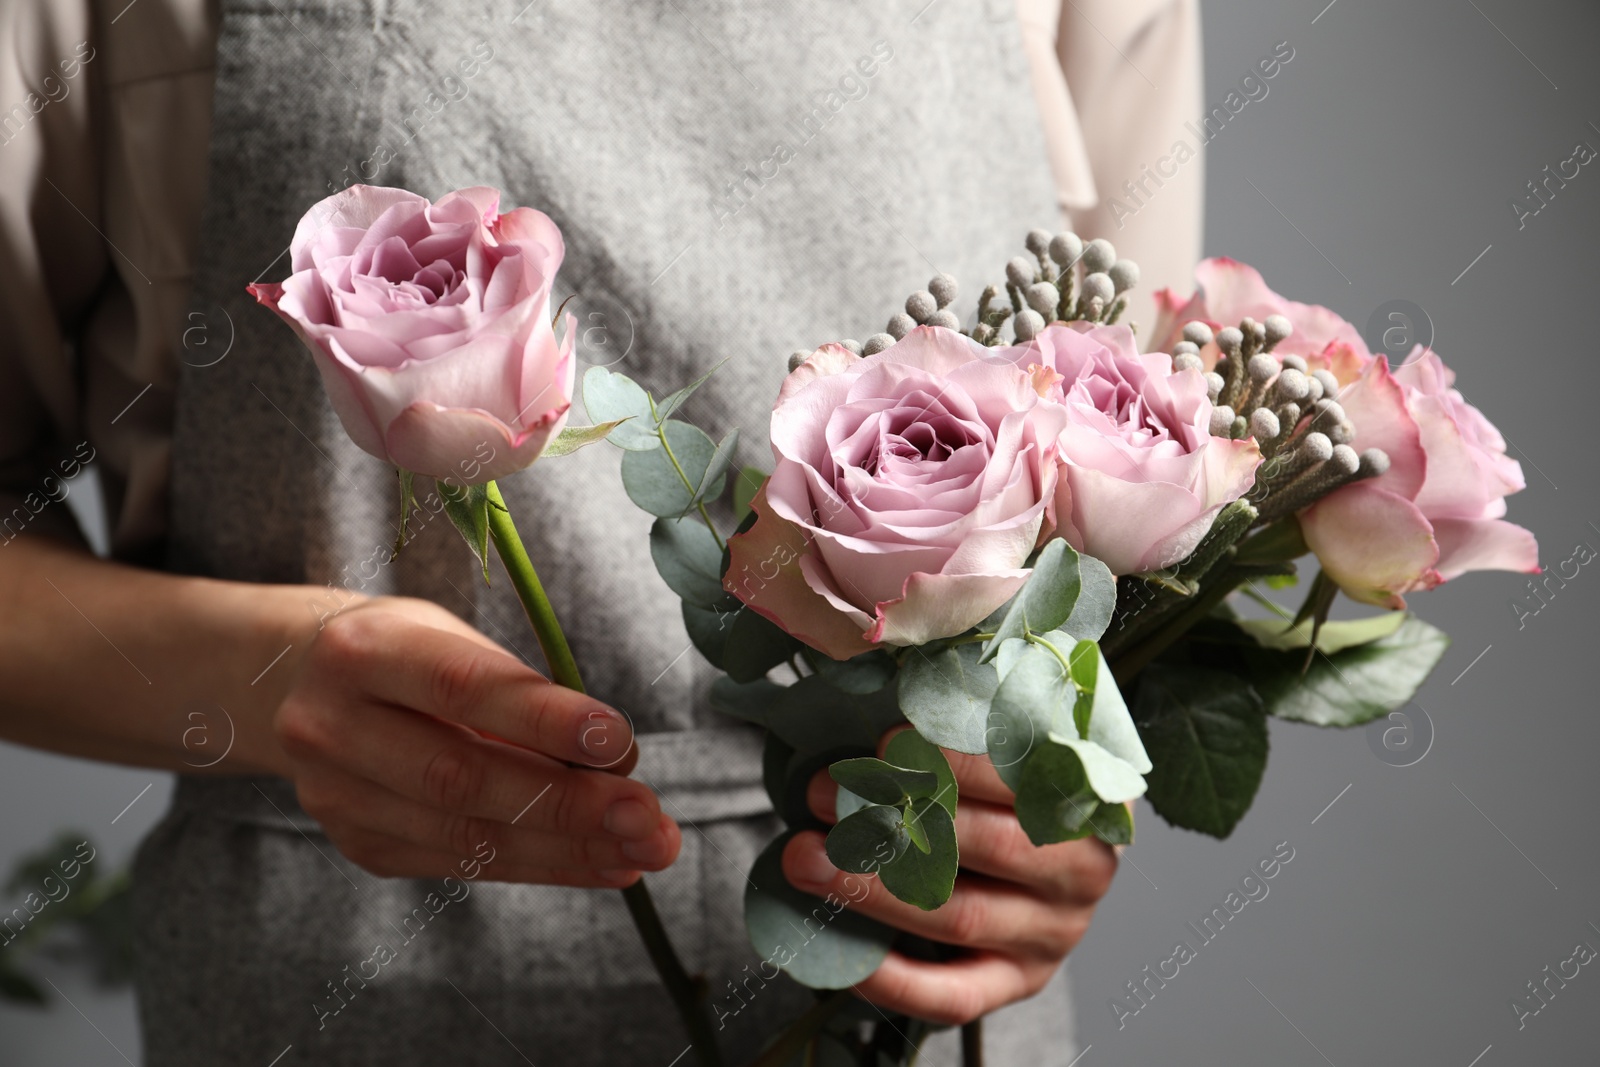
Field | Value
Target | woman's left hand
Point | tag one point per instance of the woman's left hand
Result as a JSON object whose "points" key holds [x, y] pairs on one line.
{"points": [[1017, 908]]}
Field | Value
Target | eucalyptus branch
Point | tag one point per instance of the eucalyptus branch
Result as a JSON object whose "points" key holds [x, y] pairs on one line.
{"points": [[694, 490]]}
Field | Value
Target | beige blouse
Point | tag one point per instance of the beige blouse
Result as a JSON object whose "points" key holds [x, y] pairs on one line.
{"points": [[105, 114]]}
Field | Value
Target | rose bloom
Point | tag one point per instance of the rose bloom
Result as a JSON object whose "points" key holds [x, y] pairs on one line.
{"points": [[1227, 291], [1141, 476], [1437, 512], [910, 488], [430, 325]]}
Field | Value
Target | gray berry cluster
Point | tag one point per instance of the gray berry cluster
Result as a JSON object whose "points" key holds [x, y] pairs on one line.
{"points": [[1292, 412]]}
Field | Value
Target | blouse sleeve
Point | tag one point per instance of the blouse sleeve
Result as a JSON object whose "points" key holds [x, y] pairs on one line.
{"points": [[102, 177], [1118, 83], [51, 259]]}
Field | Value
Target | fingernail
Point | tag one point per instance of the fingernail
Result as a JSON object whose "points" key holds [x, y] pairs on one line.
{"points": [[812, 867], [648, 853], [604, 734], [630, 819]]}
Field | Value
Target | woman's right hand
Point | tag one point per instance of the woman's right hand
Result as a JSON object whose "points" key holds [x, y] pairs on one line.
{"points": [[416, 741]]}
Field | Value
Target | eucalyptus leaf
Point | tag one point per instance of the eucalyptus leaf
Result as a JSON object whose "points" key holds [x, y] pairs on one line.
{"points": [[616, 398], [1054, 800], [866, 673], [815, 942], [910, 749], [815, 717], [1097, 599], [776, 755], [915, 829], [670, 403], [869, 840], [1111, 777], [1113, 823], [1206, 731], [666, 488], [715, 478], [468, 508], [708, 630], [689, 560], [1027, 706], [745, 487], [1084, 660], [755, 645], [846, 803], [750, 701], [1066, 591], [572, 438], [881, 782], [926, 878], [1045, 600], [946, 696], [1354, 685]]}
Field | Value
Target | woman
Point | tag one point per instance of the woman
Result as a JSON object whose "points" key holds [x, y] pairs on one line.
{"points": [[400, 776]]}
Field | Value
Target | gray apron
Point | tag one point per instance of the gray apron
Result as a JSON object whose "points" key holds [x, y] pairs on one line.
{"points": [[733, 180]]}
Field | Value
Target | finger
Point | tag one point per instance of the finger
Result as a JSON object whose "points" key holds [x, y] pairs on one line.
{"points": [[335, 798], [975, 775], [980, 913], [458, 679], [391, 857], [447, 766], [953, 992], [994, 843], [822, 796]]}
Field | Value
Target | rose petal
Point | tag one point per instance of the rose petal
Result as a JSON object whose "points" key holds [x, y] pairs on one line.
{"points": [[1484, 545], [467, 446], [1374, 543], [933, 606], [764, 573]]}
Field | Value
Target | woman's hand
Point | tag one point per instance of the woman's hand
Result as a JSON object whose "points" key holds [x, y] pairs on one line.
{"points": [[417, 742], [1018, 909]]}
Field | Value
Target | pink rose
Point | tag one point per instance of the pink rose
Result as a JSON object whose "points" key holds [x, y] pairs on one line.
{"points": [[909, 491], [1141, 476], [1228, 291], [1436, 513], [430, 324]]}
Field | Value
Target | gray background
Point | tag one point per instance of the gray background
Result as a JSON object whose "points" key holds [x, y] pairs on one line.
{"points": [[1420, 903]]}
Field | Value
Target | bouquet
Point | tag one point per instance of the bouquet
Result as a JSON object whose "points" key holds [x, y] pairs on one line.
{"points": [[1031, 548], [1012, 532]]}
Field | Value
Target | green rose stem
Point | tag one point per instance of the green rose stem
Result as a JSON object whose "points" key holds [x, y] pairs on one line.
{"points": [[972, 1043], [687, 993]]}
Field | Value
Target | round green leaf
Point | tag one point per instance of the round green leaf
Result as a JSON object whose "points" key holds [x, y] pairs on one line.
{"points": [[926, 879], [1054, 799], [610, 397], [868, 840], [689, 560], [883, 783], [946, 696], [1027, 705], [814, 942], [909, 749], [655, 484]]}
